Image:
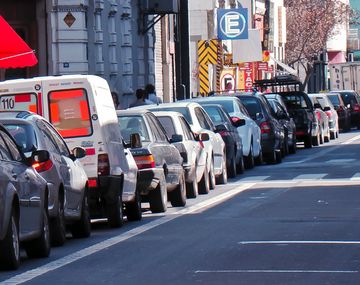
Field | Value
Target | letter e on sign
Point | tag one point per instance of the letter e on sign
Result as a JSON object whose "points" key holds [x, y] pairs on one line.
{"points": [[232, 24]]}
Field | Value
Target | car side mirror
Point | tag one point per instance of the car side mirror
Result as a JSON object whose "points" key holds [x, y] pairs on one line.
{"points": [[203, 137], [327, 108], [78, 152], [135, 140], [40, 156], [237, 122], [220, 128], [259, 116], [176, 138]]}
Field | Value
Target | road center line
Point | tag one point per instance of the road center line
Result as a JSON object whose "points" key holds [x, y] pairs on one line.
{"points": [[61, 262], [276, 271], [300, 242]]}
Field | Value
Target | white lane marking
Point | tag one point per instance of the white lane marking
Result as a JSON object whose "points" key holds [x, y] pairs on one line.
{"points": [[276, 271], [61, 262], [254, 178], [351, 140], [356, 176], [341, 160], [313, 176], [351, 242]]}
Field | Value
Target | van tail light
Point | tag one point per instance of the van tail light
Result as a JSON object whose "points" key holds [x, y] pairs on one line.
{"points": [[356, 107], [265, 128], [328, 113], [103, 165], [145, 161], [42, 166], [92, 182]]}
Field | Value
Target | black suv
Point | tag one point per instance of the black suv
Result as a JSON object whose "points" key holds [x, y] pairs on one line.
{"points": [[352, 101]]}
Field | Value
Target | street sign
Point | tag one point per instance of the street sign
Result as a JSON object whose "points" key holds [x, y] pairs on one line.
{"points": [[232, 24]]}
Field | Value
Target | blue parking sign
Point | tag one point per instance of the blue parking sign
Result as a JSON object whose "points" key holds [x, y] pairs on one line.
{"points": [[232, 24]]}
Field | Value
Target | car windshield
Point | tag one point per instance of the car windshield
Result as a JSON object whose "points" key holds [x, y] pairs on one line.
{"points": [[24, 136], [168, 125], [131, 125], [182, 110]]}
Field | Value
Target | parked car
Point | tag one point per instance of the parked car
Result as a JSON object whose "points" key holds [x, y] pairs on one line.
{"points": [[352, 100], [281, 113], [200, 122], [328, 108], [81, 109], [272, 131], [228, 131], [249, 133], [66, 179], [161, 173], [191, 149], [343, 112], [323, 120], [23, 203], [300, 108]]}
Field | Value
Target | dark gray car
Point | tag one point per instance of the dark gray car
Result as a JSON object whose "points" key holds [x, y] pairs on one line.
{"points": [[23, 203], [65, 176]]}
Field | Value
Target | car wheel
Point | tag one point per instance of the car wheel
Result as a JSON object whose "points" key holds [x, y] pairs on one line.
{"points": [[259, 159], [212, 178], [249, 160], [57, 227], [271, 157], [285, 150], [240, 167], [115, 213], [192, 187], [9, 246], [232, 168], [278, 156], [82, 228], [158, 197], [204, 184], [308, 142], [40, 247], [332, 135], [223, 178], [316, 140], [133, 209], [292, 148], [177, 197]]}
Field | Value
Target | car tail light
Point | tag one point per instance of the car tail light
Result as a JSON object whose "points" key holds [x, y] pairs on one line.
{"points": [[328, 113], [145, 161], [201, 143], [265, 128], [90, 151], [103, 165], [356, 107], [224, 133], [92, 183], [42, 166]]}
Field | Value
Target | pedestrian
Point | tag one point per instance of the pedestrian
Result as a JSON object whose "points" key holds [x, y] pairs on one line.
{"points": [[140, 98], [151, 94], [115, 100]]}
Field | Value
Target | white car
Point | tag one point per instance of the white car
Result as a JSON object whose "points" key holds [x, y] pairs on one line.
{"points": [[250, 133], [201, 123], [191, 149]]}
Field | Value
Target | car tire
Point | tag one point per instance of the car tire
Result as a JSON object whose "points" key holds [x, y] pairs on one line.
{"points": [[278, 157], [249, 160], [292, 148], [223, 178], [332, 135], [212, 178], [40, 247], [158, 197], [204, 184], [192, 189], [259, 159], [115, 213], [308, 142], [316, 140], [177, 197], [9, 246], [57, 227], [82, 228], [133, 209], [271, 157], [240, 167], [232, 168]]}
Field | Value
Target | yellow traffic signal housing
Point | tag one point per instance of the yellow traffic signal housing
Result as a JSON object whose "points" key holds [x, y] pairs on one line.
{"points": [[266, 55]]}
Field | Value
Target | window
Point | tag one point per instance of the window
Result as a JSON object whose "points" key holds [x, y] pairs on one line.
{"points": [[131, 125], [202, 120], [21, 102], [25, 137], [12, 147], [69, 112], [252, 106], [51, 145], [159, 132], [186, 129], [5, 153], [214, 114], [58, 140], [168, 125]]}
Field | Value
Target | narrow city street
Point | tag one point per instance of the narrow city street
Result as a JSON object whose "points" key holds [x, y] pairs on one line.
{"points": [[292, 223]]}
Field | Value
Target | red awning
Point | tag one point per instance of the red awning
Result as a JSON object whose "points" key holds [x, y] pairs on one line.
{"points": [[14, 52]]}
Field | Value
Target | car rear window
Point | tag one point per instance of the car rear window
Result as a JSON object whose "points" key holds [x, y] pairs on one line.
{"points": [[24, 135], [168, 125], [227, 104], [349, 97], [19, 102], [214, 114], [131, 125], [295, 101], [252, 105], [69, 112], [334, 99]]}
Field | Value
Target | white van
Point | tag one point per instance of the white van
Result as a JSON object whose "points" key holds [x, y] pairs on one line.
{"points": [[82, 110]]}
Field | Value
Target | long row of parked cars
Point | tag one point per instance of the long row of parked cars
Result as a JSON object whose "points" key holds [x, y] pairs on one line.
{"points": [[68, 156]]}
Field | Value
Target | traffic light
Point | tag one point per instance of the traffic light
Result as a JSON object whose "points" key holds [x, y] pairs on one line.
{"points": [[266, 55]]}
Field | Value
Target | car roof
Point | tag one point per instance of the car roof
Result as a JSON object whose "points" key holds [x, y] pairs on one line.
{"points": [[18, 115], [132, 111], [167, 113]]}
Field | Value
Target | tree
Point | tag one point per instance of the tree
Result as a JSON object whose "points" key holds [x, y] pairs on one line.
{"points": [[310, 23]]}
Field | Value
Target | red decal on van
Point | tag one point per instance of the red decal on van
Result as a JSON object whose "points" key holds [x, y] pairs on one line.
{"points": [[66, 94], [74, 132], [19, 98]]}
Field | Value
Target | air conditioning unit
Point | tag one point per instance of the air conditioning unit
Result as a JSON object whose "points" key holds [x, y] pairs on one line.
{"points": [[161, 7]]}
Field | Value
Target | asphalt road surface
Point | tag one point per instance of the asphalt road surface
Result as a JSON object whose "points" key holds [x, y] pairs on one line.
{"points": [[297, 222]]}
